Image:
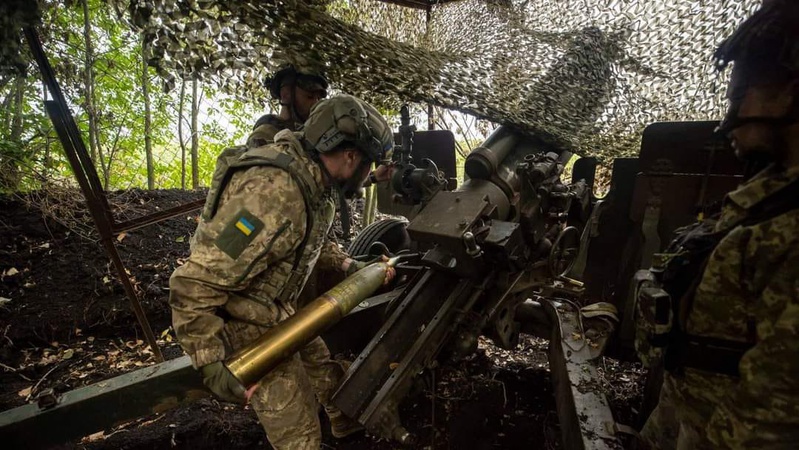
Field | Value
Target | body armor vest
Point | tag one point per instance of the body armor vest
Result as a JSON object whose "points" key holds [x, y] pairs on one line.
{"points": [[281, 282], [665, 295]]}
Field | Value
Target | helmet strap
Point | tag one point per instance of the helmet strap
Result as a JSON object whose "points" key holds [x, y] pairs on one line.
{"points": [[293, 105], [344, 212], [340, 187]]}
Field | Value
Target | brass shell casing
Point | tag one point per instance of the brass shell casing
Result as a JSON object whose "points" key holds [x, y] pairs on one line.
{"points": [[249, 364]]}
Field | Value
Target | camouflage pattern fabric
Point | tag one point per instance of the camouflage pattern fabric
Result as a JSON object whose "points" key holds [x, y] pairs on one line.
{"points": [[583, 76], [284, 400], [748, 293], [227, 293], [265, 129]]}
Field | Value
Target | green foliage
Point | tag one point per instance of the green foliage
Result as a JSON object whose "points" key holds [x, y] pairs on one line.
{"points": [[30, 152]]}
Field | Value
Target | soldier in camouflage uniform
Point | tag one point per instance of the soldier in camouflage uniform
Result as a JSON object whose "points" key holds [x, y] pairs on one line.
{"points": [[263, 229], [297, 91], [744, 312]]}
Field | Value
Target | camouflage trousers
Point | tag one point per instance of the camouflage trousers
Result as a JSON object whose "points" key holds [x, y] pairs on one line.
{"points": [[286, 399], [669, 428]]}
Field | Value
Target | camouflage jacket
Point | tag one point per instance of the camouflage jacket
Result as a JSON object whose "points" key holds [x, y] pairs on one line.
{"points": [[266, 127], [230, 290], [749, 292]]}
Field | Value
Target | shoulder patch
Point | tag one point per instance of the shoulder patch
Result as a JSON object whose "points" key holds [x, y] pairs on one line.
{"points": [[238, 233]]}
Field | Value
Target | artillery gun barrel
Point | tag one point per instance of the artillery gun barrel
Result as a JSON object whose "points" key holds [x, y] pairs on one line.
{"points": [[251, 363]]}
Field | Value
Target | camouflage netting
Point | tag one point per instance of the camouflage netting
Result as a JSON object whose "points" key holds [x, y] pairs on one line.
{"points": [[583, 75]]}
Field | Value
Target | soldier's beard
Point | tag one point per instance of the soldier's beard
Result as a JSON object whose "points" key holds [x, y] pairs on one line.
{"points": [[352, 185]]}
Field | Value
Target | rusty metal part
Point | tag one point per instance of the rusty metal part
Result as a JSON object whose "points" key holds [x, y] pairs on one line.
{"points": [[252, 362], [140, 222]]}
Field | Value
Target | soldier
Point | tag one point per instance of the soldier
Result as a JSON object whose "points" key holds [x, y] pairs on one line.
{"points": [[263, 229], [297, 91], [733, 354]]}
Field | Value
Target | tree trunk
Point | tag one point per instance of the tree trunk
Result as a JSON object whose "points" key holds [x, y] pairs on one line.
{"points": [[16, 122], [180, 135], [7, 112], [47, 162], [148, 145], [195, 139], [9, 169], [88, 81]]}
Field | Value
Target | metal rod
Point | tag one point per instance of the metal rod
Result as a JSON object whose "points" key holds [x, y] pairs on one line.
{"points": [[150, 219]]}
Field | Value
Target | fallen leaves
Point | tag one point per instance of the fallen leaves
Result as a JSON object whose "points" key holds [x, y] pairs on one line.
{"points": [[25, 392], [99, 436]]}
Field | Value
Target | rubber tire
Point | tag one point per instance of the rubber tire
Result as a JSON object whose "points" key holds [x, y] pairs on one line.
{"points": [[390, 232]]}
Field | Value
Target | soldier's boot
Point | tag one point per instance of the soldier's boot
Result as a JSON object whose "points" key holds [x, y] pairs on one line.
{"points": [[342, 426]]}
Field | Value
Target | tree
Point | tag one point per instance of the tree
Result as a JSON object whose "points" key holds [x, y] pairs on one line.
{"points": [[148, 144], [180, 135], [88, 81], [195, 138]]}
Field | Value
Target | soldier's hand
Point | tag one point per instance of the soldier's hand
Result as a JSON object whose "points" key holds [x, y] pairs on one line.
{"points": [[390, 273], [383, 172], [355, 265], [222, 383]]}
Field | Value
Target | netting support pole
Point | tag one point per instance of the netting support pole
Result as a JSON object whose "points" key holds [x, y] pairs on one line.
{"points": [[89, 182]]}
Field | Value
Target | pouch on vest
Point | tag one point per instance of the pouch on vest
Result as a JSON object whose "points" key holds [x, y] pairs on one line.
{"points": [[654, 318], [665, 296]]}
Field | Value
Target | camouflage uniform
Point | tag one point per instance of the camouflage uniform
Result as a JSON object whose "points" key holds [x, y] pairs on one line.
{"points": [[322, 277], [749, 293], [233, 287], [266, 127]]}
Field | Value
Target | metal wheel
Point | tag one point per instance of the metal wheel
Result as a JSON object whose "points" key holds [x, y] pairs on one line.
{"points": [[390, 232]]}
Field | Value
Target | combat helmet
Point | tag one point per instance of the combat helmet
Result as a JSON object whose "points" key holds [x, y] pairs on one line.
{"points": [[345, 118], [765, 50], [305, 78]]}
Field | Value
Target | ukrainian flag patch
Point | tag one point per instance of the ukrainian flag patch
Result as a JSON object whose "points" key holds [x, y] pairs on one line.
{"points": [[239, 232], [245, 226]]}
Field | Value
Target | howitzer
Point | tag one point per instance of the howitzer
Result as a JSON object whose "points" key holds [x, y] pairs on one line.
{"points": [[509, 234]]}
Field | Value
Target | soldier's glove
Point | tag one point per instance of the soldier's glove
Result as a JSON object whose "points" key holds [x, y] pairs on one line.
{"points": [[222, 383], [357, 264]]}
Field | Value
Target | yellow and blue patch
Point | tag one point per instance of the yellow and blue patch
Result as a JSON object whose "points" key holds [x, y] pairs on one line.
{"points": [[239, 232], [245, 226]]}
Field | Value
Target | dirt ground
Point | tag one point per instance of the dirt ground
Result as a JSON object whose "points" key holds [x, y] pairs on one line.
{"points": [[65, 322]]}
